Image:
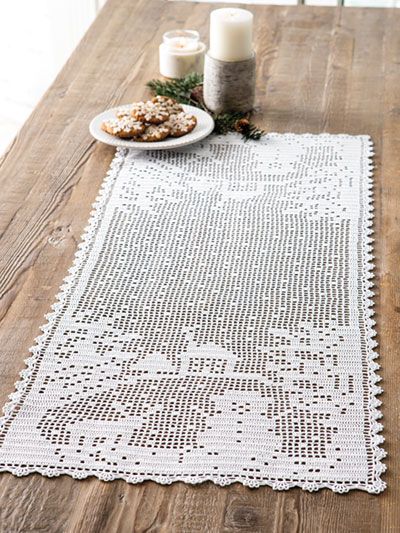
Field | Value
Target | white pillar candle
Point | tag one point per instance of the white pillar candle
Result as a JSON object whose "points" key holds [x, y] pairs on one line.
{"points": [[181, 52], [231, 34]]}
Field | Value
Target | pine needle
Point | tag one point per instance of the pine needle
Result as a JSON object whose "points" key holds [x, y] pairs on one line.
{"points": [[179, 89]]}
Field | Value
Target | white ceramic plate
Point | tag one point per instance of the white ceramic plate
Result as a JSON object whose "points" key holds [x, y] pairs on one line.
{"points": [[204, 127]]}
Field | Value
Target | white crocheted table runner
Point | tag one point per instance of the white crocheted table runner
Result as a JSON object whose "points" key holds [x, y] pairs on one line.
{"points": [[216, 324]]}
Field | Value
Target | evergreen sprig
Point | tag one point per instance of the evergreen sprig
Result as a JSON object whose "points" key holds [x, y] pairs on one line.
{"points": [[179, 89], [226, 122], [189, 90]]}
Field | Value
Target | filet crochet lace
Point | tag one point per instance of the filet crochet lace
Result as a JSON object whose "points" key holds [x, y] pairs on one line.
{"points": [[216, 324]]}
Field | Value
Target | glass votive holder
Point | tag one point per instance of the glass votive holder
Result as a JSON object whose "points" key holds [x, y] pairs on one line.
{"points": [[181, 52], [182, 40]]}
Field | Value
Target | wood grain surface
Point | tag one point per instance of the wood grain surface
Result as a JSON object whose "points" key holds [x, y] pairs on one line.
{"points": [[319, 69]]}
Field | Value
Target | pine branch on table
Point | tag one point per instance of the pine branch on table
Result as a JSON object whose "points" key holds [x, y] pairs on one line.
{"points": [[179, 89]]}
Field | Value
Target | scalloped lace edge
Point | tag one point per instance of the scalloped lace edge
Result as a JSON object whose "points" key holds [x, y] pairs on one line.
{"points": [[22, 386]]}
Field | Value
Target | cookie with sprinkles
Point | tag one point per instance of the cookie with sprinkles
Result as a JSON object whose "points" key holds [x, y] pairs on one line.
{"points": [[149, 112], [181, 124], [169, 104], [153, 133], [125, 127], [123, 111]]}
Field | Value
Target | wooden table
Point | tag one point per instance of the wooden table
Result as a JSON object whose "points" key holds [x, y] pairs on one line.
{"points": [[319, 69]]}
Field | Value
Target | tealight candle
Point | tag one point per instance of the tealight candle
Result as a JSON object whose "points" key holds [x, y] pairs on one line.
{"points": [[181, 52], [182, 40], [231, 34]]}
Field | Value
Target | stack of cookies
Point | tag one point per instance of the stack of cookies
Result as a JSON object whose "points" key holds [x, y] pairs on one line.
{"points": [[150, 121]]}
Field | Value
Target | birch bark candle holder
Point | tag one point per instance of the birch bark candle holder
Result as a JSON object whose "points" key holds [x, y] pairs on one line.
{"points": [[229, 85], [230, 64]]}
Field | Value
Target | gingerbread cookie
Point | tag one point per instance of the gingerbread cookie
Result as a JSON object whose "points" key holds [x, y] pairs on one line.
{"points": [[181, 124], [125, 127], [149, 112], [169, 104], [153, 133], [124, 111]]}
